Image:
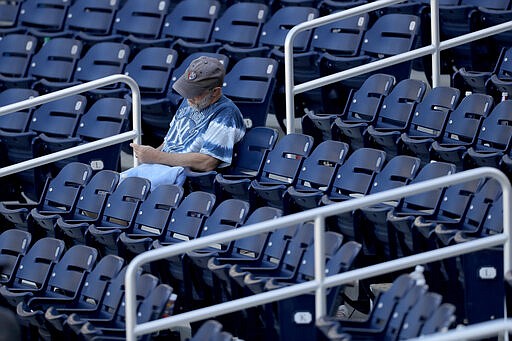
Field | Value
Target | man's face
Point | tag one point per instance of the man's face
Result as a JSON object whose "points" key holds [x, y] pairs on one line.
{"points": [[202, 101]]}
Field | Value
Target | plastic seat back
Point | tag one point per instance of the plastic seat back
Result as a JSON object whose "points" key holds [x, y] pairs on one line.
{"points": [[318, 168], [240, 24], [397, 172], [13, 245], [141, 19], [9, 13], [250, 84], [496, 132], [397, 107], [93, 198], [355, 176], [36, 266], [122, 204], [94, 17], [69, 273], [59, 118], [426, 203], [63, 191], [430, 116], [16, 122], [56, 60], [229, 214], [101, 60], [364, 103], [155, 211], [43, 15], [188, 218], [465, 120], [151, 68], [283, 162], [16, 51], [191, 20], [341, 38], [278, 25]]}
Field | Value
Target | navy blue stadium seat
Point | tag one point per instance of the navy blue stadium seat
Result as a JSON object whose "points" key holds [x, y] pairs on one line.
{"points": [[250, 84], [395, 113], [119, 211], [296, 145], [361, 106], [65, 283], [91, 17], [190, 24], [42, 16], [55, 62], [355, 176], [245, 251], [248, 156], [119, 215], [101, 60], [238, 29], [152, 218], [401, 218], [90, 296], [397, 172], [211, 329], [60, 195], [429, 119], [362, 109], [34, 270], [112, 306], [16, 122], [315, 176], [9, 13], [390, 35], [14, 244], [281, 167], [461, 130], [493, 140], [16, 51], [157, 304], [499, 84]]}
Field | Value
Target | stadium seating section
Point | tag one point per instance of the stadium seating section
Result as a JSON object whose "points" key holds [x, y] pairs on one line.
{"points": [[69, 229]]}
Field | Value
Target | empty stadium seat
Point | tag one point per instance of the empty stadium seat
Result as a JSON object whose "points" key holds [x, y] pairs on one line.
{"points": [[248, 156]]}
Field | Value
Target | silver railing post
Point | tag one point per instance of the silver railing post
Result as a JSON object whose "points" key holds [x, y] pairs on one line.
{"points": [[434, 31], [320, 303]]}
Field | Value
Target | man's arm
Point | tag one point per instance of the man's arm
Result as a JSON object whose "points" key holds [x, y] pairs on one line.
{"points": [[196, 161]]}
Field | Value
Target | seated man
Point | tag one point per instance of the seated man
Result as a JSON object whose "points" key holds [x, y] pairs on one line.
{"points": [[202, 133]]}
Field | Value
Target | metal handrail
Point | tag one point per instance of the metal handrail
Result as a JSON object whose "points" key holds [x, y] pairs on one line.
{"points": [[134, 134], [434, 49], [320, 283]]}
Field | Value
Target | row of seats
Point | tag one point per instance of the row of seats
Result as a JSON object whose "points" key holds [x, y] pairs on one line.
{"points": [[55, 126], [60, 63], [195, 216], [406, 119], [56, 290]]}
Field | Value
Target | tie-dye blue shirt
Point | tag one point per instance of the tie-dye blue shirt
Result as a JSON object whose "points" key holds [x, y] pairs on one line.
{"points": [[212, 131]]}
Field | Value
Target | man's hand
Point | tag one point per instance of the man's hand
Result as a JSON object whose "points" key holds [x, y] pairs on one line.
{"points": [[145, 154]]}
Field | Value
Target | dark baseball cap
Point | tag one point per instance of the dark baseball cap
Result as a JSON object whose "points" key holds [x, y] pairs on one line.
{"points": [[202, 74]]}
